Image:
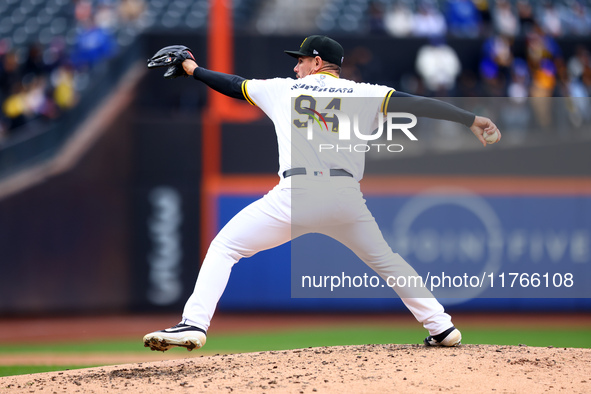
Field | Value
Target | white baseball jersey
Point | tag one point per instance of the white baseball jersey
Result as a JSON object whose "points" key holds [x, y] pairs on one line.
{"points": [[324, 148], [333, 206]]}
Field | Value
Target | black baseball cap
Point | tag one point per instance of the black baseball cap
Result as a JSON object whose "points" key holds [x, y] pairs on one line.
{"points": [[323, 46]]}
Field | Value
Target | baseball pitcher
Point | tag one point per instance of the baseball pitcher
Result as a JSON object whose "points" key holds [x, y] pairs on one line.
{"points": [[325, 182]]}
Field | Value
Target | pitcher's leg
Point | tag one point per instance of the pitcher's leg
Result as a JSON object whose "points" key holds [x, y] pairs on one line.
{"points": [[257, 227], [365, 239]]}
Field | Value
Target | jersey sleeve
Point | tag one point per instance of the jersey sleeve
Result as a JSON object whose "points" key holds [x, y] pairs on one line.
{"points": [[384, 107], [245, 92], [385, 92], [264, 93]]}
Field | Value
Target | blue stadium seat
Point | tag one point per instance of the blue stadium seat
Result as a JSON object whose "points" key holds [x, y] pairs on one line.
{"points": [[58, 26], [19, 36], [17, 16], [6, 26]]}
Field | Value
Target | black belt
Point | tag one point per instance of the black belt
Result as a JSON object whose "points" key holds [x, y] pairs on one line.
{"points": [[302, 171]]}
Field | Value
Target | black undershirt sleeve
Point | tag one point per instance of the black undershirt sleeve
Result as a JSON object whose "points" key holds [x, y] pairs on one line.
{"points": [[230, 85], [428, 108]]}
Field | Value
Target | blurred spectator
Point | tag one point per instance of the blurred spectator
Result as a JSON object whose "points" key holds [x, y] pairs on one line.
{"points": [[399, 20], [515, 113], [439, 66], [543, 79], [520, 80], [92, 45], [542, 52], [30, 99], [14, 107], [35, 97], [505, 19], [542, 87], [568, 85], [579, 67], [483, 8], [549, 19], [34, 64], [131, 10], [48, 108], [497, 50], [64, 93], [106, 15], [493, 81], [428, 21], [578, 19], [56, 54], [10, 74], [376, 18], [525, 13], [463, 18], [83, 11], [577, 102]]}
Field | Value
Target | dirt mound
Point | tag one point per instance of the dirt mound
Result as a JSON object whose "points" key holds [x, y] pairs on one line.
{"points": [[340, 369]]}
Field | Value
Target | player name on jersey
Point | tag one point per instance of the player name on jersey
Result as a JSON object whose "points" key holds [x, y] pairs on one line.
{"points": [[316, 88]]}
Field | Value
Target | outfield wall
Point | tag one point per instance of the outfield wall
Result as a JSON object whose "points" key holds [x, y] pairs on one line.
{"points": [[468, 228]]}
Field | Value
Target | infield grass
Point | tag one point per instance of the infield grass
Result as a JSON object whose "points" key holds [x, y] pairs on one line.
{"points": [[283, 340]]}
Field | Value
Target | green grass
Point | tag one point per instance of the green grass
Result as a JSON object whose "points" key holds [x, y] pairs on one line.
{"points": [[578, 338], [112, 346], [312, 338], [250, 342], [28, 369]]}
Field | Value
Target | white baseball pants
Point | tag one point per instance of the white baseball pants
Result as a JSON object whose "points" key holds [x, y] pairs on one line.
{"points": [[302, 204]]}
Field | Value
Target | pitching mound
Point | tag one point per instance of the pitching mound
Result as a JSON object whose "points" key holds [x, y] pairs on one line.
{"points": [[341, 369]]}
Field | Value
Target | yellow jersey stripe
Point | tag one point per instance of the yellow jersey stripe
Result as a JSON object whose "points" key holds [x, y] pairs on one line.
{"points": [[245, 93], [386, 101], [326, 73]]}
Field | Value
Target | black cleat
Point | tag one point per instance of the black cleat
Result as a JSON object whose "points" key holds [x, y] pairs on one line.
{"points": [[450, 337]]}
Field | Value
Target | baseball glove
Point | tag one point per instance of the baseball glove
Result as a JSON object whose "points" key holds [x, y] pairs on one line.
{"points": [[172, 57]]}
